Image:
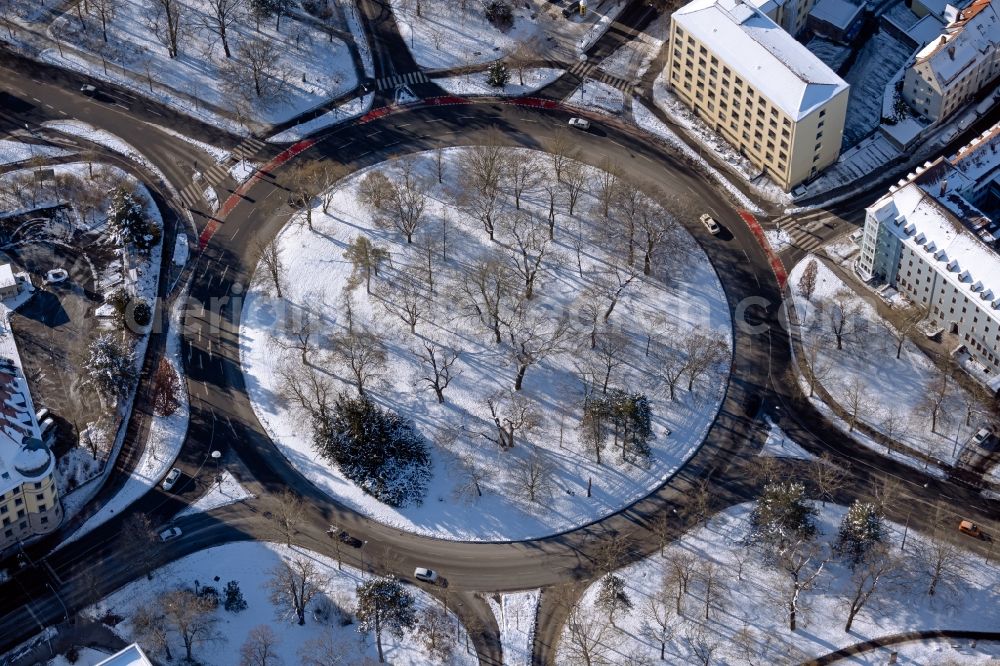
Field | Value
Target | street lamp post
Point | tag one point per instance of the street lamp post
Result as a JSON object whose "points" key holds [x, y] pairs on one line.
{"points": [[216, 455], [335, 535], [363, 544]]}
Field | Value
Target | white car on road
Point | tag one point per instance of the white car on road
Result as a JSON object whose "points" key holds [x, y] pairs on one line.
{"points": [[172, 476], [170, 534], [710, 224], [581, 123], [426, 575]]}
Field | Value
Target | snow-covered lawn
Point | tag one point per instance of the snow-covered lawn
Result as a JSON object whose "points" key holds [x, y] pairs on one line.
{"points": [[751, 604], [243, 170], [780, 445], [879, 60], [778, 239], [515, 613], [598, 96], [892, 392], [12, 152], [227, 491], [250, 563], [85, 657], [345, 111], [475, 83], [570, 283], [454, 33], [166, 436], [309, 66]]}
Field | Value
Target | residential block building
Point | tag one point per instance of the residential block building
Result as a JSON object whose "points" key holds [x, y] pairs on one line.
{"points": [[761, 90], [29, 499], [930, 238], [952, 69]]}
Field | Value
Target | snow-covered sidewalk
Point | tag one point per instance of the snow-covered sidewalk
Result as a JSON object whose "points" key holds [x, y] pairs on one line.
{"points": [[475, 83], [224, 492]]}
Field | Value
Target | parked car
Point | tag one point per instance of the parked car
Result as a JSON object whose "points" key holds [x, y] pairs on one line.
{"points": [[983, 438], [710, 224], [426, 575], [580, 123], [88, 89], [170, 534], [353, 542], [970, 528], [171, 480]]}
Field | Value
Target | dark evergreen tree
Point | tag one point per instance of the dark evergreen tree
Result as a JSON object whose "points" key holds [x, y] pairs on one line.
{"points": [[781, 516], [862, 527], [498, 75], [613, 596], [625, 416], [127, 221], [111, 367], [234, 602]]}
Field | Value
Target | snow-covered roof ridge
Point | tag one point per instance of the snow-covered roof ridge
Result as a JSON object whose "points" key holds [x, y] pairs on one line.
{"points": [[17, 414], [760, 51], [974, 33]]}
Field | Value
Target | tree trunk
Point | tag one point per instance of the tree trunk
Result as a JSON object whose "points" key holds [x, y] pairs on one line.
{"points": [[378, 638], [521, 369]]}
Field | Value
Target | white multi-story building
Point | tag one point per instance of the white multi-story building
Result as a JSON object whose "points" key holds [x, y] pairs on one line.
{"points": [[929, 239], [764, 92], [952, 69]]}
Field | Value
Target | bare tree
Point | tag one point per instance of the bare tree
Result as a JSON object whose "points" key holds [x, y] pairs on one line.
{"points": [[659, 618], [471, 477], [257, 75], [677, 573], [533, 336], [589, 637], [304, 183], [437, 361], [703, 353], [260, 647], [191, 616], [366, 257], [630, 204], [934, 399], [657, 226], [166, 388], [326, 649], [894, 425], [818, 368], [697, 508], [288, 515], [271, 272], [802, 561], [607, 186], [841, 309], [363, 354], [523, 174], [609, 352], [435, 631], [511, 413], [856, 401], [484, 166], [137, 530], [714, 587], [311, 389], [562, 150], [870, 575], [486, 287], [574, 183], [623, 277], [149, 628], [900, 329], [828, 478], [553, 191], [168, 22], [294, 584], [299, 335], [106, 10], [941, 560], [750, 648], [807, 282], [221, 15], [404, 299], [528, 250], [700, 643], [408, 202], [534, 477]]}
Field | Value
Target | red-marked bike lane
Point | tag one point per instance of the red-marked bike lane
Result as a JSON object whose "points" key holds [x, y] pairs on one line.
{"points": [[776, 266], [241, 191]]}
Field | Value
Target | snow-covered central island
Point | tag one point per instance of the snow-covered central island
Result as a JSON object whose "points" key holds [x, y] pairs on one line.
{"points": [[582, 353]]}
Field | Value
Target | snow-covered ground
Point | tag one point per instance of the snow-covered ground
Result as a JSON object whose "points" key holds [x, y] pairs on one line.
{"points": [[310, 67], [778, 239], [450, 34], [751, 607], [877, 63], [515, 613], [892, 392], [166, 436], [598, 96], [250, 563], [866, 159], [780, 445], [345, 111], [631, 60], [646, 120], [243, 170], [475, 83], [226, 491], [85, 657], [12, 152], [317, 273]]}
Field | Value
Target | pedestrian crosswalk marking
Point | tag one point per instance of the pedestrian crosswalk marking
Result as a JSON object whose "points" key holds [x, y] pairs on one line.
{"points": [[583, 70], [802, 228], [387, 82]]}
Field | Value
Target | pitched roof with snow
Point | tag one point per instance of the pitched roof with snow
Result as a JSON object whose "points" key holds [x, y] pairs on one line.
{"points": [[130, 656], [973, 35], [761, 52], [18, 461]]}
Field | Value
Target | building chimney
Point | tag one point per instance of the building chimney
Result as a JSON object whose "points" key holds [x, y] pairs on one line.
{"points": [[943, 39], [951, 52], [944, 186]]}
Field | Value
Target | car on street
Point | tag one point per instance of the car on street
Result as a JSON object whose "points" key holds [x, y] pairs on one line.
{"points": [[970, 528], [353, 542], [426, 575], [579, 123], [171, 479], [710, 224], [983, 439], [88, 89], [170, 534]]}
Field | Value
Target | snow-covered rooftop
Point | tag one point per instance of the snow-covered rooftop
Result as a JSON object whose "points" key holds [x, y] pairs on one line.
{"points": [[838, 13], [130, 656], [17, 416], [974, 35], [762, 53], [7, 278], [926, 30], [928, 227]]}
